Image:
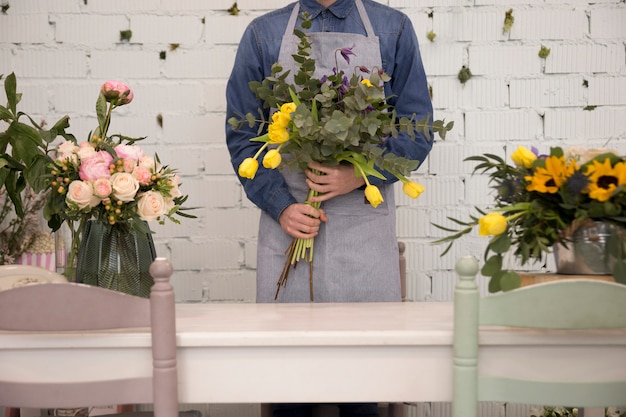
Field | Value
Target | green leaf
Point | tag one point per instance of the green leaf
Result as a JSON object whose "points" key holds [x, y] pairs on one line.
{"points": [[10, 88], [501, 243], [492, 266], [510, 280], [101, 113]]}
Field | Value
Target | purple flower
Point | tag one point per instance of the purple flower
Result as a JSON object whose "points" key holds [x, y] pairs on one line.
{"points": [[364, 69], [346, 52]]}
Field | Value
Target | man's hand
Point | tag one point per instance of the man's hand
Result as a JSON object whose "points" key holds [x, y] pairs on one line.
{"points": [[334, 181], [301, 220]]}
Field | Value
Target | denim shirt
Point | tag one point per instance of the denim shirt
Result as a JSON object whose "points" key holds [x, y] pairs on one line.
{"points": [[258, 51]]}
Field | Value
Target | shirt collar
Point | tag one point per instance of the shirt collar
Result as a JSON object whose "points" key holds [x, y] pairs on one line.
{"points": [[341, 8]]}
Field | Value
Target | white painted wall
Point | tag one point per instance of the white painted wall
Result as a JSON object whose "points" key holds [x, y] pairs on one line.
{"points": [[63, 50]]}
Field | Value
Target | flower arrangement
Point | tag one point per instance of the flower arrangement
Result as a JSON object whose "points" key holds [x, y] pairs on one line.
{"points": [[335, 119], [540, 201], [110, 179], [23, 165]]}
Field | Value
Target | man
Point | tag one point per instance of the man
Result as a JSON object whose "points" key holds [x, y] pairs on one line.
{"points": [[356, 254]]}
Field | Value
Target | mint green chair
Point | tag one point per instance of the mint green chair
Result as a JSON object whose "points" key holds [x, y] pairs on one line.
{"points": [[555, 307]]}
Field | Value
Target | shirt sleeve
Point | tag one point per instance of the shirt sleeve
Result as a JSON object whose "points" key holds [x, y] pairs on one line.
{"points": [[268, 190], [409, 89]]}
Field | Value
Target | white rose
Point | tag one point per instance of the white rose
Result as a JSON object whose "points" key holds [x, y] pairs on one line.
{"points": [[81, 194], [67, 150], [124, 185], [85, 151], [149, 162], [151, 205]]}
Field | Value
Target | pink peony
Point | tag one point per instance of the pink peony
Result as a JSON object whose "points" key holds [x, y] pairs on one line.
{"points": [[133, 152], [96, 166], [117, 92]]}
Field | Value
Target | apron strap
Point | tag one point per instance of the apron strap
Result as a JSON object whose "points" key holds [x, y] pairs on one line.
{"points": [[369, 29]]}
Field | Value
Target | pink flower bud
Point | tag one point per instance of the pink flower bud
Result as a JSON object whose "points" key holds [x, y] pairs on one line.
{"points": [[117, 92]]}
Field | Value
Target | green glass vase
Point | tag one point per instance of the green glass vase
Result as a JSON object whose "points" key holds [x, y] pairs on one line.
{"points": [[114, 257]]}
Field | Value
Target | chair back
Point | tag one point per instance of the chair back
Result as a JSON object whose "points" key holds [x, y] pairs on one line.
{"points": [[556, 308], [70, 309]]}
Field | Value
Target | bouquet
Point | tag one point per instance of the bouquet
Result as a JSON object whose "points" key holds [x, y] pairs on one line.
{"points": [[540, 201], [338, 118], [110, 179]]}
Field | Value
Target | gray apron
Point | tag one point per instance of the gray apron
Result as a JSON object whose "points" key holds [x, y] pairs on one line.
{"points": [[355, 255]]}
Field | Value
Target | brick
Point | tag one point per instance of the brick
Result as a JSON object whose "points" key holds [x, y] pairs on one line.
{"points": [[472, 25], [122, 6], [225, 29], [504, 59], [503, 126], [48, 63], [27, 28], [548, 92], [185, 30], [481, 93], [578, 126], [194, 129], [449, 160], [585, 57], [542, 23], [37, 6], [86, 29], [607, 91], [442, 58], [608, 22], [206, 63], [218, 254], [125, 63], [240, 224]]}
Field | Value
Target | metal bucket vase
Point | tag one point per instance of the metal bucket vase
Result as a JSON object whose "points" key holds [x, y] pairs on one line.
{"points": [[115, 258], [592, 249]]}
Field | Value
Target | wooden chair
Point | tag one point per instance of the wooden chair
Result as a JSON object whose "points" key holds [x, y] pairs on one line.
{"points": [[72, 307], [559, 306]]}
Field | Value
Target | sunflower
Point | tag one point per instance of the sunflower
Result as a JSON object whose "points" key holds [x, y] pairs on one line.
{"points": [[604, 179], [549, 179]]}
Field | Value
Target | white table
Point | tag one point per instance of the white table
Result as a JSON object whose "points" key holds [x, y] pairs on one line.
{"points": [[386, 352]]}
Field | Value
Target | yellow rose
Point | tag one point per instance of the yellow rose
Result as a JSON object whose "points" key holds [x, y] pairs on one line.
{"points": [[523, 157], [492, 224], [373, 195], [367, 82], [248, 168], [272, 159], [288, 108], [277, 134], [412, 189]]}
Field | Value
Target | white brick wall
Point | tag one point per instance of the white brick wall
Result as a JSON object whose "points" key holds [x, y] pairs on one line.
{"points": [[63, 50]]}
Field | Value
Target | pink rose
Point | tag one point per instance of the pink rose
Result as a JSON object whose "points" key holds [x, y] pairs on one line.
{"points": [[80, 194], [151, 205], [129, 151], [96, 166], [129, 164], [117, 92], [102, 188], [142, 175], [125, 186]]}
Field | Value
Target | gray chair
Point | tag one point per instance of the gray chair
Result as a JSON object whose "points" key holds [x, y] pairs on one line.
{"points": [[564, 305], [71, 307]]}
